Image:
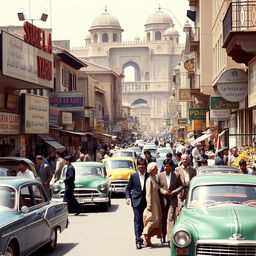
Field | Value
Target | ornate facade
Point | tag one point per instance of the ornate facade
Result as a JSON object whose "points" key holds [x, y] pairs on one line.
{"points": [[153, 59]]}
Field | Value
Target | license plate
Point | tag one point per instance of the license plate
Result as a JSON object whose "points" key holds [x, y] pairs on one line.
{"points": [[119, 190], [80, 200]]}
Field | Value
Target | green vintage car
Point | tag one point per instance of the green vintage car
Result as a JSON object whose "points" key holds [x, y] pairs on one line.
{"points": [[92, 185], [218, 218]]}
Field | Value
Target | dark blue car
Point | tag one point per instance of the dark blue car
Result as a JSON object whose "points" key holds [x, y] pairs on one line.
{"points": [[28, 220]]}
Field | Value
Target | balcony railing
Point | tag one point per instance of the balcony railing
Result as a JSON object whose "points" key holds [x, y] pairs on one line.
{"points": [[240, 17], [135, 87]]}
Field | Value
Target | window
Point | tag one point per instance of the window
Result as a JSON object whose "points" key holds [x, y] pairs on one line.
{"points": [[39, 195], [148, 36], [114, 37], [25, 197], [95, 38], [68, 80], [158, 35], [105, 38]]}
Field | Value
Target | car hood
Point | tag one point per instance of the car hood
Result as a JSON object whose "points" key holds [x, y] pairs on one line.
{"points": [[219, 222], [90, 181], [7, 217], [121, 173]]}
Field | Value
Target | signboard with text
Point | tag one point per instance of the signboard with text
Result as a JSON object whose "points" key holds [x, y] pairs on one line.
{"points": [[219, 114], [252, 83], [182, 121], [36, 110], [25, 62], [220, 103], [9, 123], [67, 100], [197, 113]]}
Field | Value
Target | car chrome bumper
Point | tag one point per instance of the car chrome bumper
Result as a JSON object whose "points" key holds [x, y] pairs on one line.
{"points": [[82, 200]]}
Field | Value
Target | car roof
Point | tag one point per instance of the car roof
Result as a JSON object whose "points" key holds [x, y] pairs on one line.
{"points": [[8, 158], [118, 158], [94, 164], [123, 150], [222, 178], [15, 181]]}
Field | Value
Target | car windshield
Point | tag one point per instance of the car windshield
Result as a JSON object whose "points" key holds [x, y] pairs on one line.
{"points": [[116, 164], [7, 198], [218, 170], [86, 171], [221, 194], [164, 150], [123, 154]]}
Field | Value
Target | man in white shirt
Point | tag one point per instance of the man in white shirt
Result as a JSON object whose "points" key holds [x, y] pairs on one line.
{"points": [[23, 171], [195, 153]]}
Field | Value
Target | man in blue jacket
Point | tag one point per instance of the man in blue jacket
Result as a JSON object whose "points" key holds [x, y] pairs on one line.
{"points": [[136, 197]]}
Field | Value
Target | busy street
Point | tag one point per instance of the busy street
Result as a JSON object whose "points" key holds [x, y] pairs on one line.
{"points": [[128, 128]]}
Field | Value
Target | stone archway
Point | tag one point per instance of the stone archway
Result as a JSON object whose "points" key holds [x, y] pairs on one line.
{"points": [[139, 101], [136, 69]]}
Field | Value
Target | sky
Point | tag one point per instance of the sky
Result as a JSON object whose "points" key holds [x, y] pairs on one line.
{"points": [[71, 19]]}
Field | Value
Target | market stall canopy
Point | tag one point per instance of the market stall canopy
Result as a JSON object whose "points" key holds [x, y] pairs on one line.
{"points": [[201, 138], [51, 141]]}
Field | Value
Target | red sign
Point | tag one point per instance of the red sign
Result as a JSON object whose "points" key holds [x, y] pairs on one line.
{"points": [[36, 37]]}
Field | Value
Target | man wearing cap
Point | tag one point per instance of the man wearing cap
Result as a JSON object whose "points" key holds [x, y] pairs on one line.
{"points": [[219, 158]]}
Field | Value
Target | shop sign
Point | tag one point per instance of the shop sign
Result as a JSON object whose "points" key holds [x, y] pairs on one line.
{"points": [[9, 123], [117, 128], [36, 109], [197, 113], [25, 62], [252, 84], [54, 115], [187, 94], [173, 108], [168, 122], [182, 121], [220, 103], [233, 85], [66, 118], [219, 114], [12, 101], [67, 100]]}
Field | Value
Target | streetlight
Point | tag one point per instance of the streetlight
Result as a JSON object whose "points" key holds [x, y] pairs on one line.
{"points": [[21, 17]]}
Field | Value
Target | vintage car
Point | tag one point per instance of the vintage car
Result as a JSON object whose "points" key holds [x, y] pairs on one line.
{"points": [[119, 169], [28, 220], [218, 218], [92, 185], [217, 169], [10, 164]]}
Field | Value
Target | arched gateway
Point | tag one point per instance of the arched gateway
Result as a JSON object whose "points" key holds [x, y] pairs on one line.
{"points": [[153, 60]]}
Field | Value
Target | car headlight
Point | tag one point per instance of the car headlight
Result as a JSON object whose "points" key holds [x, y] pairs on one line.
{"points": [[102, 187], [55, 188], [182, 238]]}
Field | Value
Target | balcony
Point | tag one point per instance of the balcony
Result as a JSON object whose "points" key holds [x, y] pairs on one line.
{"points": [[194, 39], [145, 87], [239, 31]]}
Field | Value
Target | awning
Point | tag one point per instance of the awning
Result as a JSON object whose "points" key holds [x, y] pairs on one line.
{"points": [[51, 141], [201, 138], [77, 133]]}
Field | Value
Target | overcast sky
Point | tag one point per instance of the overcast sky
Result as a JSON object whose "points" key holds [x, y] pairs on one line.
{"points": [[71, 19]]}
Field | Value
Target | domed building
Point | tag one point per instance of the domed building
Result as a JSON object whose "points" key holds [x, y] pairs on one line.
{"points": [[106, 28], [156, 24], [152, 60]]}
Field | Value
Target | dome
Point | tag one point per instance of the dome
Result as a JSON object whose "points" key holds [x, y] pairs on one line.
{"points": [[105, 20], [171, 32], [88, 37], [159, 17]]}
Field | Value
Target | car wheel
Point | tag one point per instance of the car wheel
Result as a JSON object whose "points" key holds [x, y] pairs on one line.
{"points": [[11, 250], [104, 207], [53, 240]]}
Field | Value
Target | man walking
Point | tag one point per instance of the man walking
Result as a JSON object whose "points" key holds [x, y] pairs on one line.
{"points": [[136, 197], [59, 166], [44, 172], [170, 186]]}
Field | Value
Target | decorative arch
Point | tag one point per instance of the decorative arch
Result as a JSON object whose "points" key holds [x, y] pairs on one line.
{"points": [[139, 101], [136, 68], [158, 35], [95, 38], [104, 38], [148, 36], [115, 37]]}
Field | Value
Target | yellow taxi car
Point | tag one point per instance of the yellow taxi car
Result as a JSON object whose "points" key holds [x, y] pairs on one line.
{"points": [[119, 169]]}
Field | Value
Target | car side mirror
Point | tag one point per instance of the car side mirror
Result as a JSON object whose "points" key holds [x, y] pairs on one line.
{"points": [[108, 176], [24, 209]]}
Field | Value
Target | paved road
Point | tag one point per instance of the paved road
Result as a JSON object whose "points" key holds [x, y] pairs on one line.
{"points": [[95, 233]]}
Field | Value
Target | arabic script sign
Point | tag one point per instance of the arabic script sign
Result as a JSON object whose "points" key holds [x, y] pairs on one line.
{"points": [[220, 103], [36, 114]]}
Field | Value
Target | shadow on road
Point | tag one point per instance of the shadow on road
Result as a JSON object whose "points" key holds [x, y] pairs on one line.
{"points": [[95, 209], [61, 249]]}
